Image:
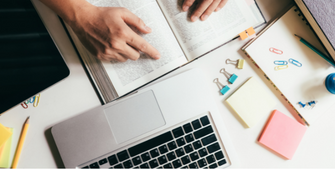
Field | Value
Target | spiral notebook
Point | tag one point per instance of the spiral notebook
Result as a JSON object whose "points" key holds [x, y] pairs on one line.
{"points": [[293, 68]]}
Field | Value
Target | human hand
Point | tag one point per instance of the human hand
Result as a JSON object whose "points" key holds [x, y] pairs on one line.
{"points": [[204, 8], [105, 32]]}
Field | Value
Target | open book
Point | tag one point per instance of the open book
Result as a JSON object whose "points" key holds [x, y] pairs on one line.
{"points": [[178, 40]]}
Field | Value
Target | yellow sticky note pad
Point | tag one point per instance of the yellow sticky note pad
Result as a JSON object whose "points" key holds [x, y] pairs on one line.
{"points": [[251, 102], [251, 31], [4, 134], [4, 156], [243, 35]]}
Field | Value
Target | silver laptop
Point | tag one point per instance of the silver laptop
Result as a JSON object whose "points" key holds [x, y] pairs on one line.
{"points": [[171, 124]]}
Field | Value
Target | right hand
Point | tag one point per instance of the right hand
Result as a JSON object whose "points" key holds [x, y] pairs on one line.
{"points": [[104, 31]]}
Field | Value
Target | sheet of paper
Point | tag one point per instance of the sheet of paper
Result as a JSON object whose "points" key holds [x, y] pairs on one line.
{"points": [[5, 134], [4, 159], [282, 134], [251, 102], [298, 84]]}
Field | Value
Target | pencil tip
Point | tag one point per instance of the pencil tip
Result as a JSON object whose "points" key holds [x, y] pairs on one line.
{"points": [[297, 35]]}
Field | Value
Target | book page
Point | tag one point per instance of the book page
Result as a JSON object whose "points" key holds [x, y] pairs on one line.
{"points": [[130, 75], [198, 38]]}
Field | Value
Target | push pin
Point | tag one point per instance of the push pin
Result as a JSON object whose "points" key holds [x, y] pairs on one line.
{"points": [[239, 63], [312, 104], [223, 89], [302, 104], [231, 77]]}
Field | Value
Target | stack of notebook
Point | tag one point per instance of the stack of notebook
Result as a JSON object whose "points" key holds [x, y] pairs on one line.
{"points": [[5, 145]]}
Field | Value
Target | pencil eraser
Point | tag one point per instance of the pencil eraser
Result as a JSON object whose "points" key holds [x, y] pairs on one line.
{"points": [[243, 35], [240, 64], [224, 90]]}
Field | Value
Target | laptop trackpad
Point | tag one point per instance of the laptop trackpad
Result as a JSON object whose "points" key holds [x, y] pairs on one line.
{"points": [[134, 117]]}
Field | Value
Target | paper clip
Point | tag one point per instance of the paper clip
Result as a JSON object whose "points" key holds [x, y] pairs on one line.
{"points": [[280, 62], [37, 100], [295, 62], [24, 105], [231, 77], [31, 100], [302, 104], [239, 63], [223, 89], [281, 67], [276, 51]]}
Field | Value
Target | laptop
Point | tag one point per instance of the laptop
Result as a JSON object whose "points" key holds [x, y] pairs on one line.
{"points": [[170, 124], [29, 59]]}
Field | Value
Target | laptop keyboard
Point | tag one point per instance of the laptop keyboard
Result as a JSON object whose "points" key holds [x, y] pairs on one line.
{"points": [[191, 145]]}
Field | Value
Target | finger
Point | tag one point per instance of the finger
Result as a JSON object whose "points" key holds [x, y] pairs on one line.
{"points": [[210, 9], [187, 4], [108, 56], [130, 53], [221, 5], [132, 19], [140, 44], [203, 5]]}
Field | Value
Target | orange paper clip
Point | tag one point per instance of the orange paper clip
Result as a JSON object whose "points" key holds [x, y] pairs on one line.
{"points": [[276, 51]]}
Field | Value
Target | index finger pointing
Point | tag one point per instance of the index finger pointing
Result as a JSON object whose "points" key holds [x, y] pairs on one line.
{"points": [[140, 44]]}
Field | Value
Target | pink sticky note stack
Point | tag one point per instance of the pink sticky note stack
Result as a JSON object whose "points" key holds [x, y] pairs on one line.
{"points": [[282, 134]]}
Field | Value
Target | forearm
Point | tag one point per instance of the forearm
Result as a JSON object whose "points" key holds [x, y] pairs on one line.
{"points": [[68, 10]]}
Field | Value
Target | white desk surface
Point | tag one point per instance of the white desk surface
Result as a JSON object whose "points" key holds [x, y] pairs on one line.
{"points": [[75, 94]]}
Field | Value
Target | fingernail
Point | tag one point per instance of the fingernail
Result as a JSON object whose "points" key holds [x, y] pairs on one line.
{"points": [[194, 18], [147, 28], [186, 8], [217, 9], [204, 17], [157, 57]]}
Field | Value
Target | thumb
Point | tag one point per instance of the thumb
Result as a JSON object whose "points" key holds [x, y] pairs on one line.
{"points": [[133, 20]]}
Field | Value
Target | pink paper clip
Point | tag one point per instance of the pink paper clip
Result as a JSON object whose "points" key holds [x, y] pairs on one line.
{"points": [[276, 51], [24, 105]]}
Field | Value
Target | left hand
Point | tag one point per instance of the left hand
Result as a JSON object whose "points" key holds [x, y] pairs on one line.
{"points": [[204, 8]]}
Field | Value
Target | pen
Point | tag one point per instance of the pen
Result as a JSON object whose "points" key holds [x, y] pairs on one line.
{"points": [[315, 50], [20, 144]]}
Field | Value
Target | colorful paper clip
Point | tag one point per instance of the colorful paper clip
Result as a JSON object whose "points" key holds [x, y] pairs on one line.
{"points": [[281, 67], [24, 105], [302, 104], [223, 89], [37, 100], [231, 77], [276, 51], [294, 62], [238, 63], [280, 62]]}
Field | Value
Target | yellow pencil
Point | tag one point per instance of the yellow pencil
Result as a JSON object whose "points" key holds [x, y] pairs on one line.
{"points": [[20, 144]]}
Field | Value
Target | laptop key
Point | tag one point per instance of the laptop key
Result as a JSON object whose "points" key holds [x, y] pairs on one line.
{"points": [[153, 163], [154, 153], [176, 163], [137, 160], [145, 165], [169, 165], [172, 145], [127, 164], [187, 128], [208, 140], [219, 155], [163, 149], [203, 132], [145, 157], [194, 156], [197, 145], [189, 138], [202, 152], [185, 160], [202, 163], [193, 165], [181, 141], [188, 148], [196, 124], [86, 167], [123, 155], [118, 166], [213, 165], [210, 159], [162, 160], [112, 160], [177, 132], [214, 147], [180, 152], [94, 165], [171, 156], [222, 162], [204, 120], [103, 161]]}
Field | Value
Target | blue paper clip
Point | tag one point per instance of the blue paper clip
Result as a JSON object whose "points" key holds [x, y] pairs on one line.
{"points": [[231, 77], [302, 104], [294, 62], [223, 89], [31, 100], [280, 62]]}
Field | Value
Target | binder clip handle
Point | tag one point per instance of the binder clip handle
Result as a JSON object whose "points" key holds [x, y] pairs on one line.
{"points": [[223, 89]]}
